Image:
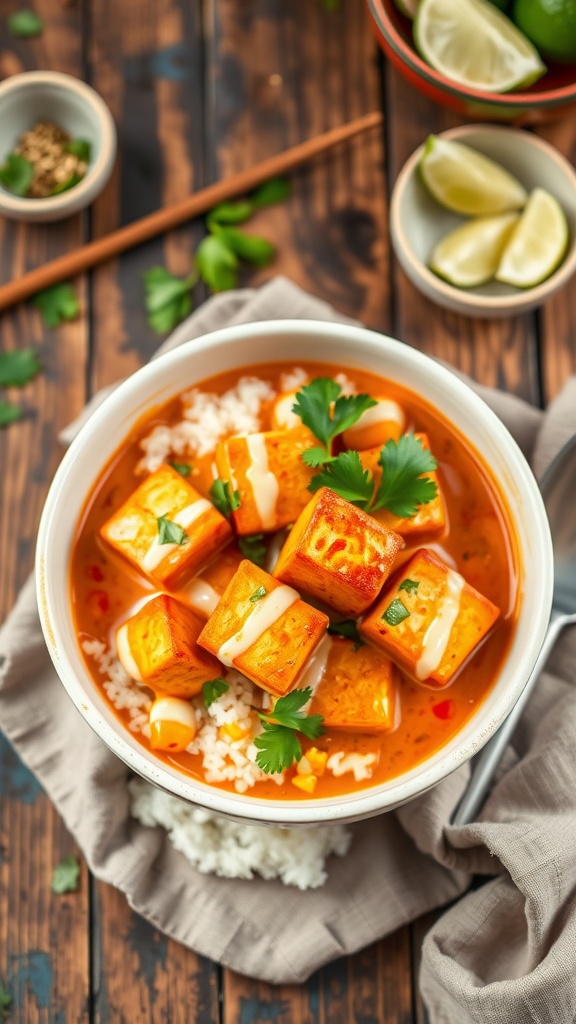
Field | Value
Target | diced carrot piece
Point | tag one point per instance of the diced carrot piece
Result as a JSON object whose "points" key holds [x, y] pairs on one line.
{"points": [[382, 422], [358, 691], [317, 760], [430, 519], [232, 731], [305, 782]]}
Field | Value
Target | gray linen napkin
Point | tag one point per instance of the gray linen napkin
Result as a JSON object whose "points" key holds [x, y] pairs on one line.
{"points": [[504, 952]]}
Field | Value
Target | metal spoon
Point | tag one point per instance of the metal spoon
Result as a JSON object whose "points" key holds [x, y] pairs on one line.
{"points": [[559, 491]]}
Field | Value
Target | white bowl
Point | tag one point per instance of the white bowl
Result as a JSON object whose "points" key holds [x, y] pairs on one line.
{"points": [[48, 95], [418, 221], [241, 346]]}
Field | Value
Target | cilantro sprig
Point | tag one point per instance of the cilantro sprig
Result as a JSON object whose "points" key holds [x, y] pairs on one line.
{"points": [[253, 548], [278, 745], [327, 413], [213, 689], [57, 304], [66, 875], [17, 368], [346, 475]]}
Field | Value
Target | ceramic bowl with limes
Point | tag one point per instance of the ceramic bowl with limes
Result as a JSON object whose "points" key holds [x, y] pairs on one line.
{"points": [[418, 222], [548, 96]]}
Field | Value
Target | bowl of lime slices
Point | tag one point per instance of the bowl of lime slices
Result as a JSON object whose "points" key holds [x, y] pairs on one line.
{"points": [[506, 60]]}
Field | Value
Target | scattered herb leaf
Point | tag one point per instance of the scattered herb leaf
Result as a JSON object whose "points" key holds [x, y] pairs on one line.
{"points": [[25, 24], [258, 594], [277, 746], [18, 367], [167, 298], [230, 213], [80, 148], [315, 457], [57, 304], [253, 548], [9, 413], [251, 248], [326, 412], [346, 475], [410, 586], [66, 875], [16, 173], [403, 487], [347, 629], [184, 468], [276, 190], [225, 500], [217, 264], [65, 185], [169, 532], [5, 1001], [213, 689], [396, 612]]}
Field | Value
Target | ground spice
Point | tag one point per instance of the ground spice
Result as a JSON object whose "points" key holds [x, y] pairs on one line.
{"points": [[58, 162]]}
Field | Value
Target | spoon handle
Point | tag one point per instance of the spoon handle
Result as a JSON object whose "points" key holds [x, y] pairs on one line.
{"points": [[488, 759]]}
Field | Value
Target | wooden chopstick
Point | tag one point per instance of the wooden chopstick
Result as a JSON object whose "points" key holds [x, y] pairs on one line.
{"points": [[102, 249]]}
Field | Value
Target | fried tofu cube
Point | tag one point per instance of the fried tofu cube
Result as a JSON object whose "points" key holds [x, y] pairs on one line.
{"points": [[430, 519], [382, 422], [338, 554], [430, 621], [263, 629], [157, 646], [203, 592], [358, 690], [166, 529], [268, 473]]}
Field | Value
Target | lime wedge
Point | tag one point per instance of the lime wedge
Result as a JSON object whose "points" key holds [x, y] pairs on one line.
{"points": [[470, 255], [473, 43], [407, 7], [538, 243], [466, 181]]}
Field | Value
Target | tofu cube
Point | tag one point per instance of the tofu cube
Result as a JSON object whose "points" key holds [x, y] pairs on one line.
{"points": [[430, 519], [430, 621], [358, 690], [157, 647], [203, 592], [271, 479], [338, 554], [382, 422], [137, 532], [263, 629]]}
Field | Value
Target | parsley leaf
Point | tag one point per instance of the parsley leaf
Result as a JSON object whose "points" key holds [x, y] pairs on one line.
{"points": [[57, 304], [25, 24], [16, 173], [326, 412], [169, 532], [66, 875], [251, 248], [167, 298], [230, 213], [348, 629], [410, 586], [9, 413], [252, 548], [346, 475], [402, 487], [213, 689], [217, 264], [315, 457], [396, 612], [5, 1001], [18, 367], [225, 500], [258, 594], [80, 148], [276, 190], [278, 748], [184, 468]]}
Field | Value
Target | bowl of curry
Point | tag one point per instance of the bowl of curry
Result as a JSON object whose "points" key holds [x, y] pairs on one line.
{"points": [[294, 572]]}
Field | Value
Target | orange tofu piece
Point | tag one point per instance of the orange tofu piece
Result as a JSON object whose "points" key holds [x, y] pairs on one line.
{"points": [[430, 519], [430, 621], [203, 592], [272, 481], [157, 646], [134, 530], [384, 421], [358, 690], [263, 629], [338, 554]]}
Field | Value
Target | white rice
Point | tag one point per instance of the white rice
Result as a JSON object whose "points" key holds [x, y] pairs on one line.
{"points": [[232, 850], [293, 379], [359, 764], [122, 692]]}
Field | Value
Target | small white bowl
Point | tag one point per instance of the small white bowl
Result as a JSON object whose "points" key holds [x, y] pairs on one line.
{"points": [[242, 347], [418, 221], [48, 95]]}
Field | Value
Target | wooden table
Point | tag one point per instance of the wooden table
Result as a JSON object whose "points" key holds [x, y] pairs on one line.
{"points": [[199, 90]]}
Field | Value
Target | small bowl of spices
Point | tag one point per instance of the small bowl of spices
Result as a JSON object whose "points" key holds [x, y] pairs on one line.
{"points": [[60, 145]]}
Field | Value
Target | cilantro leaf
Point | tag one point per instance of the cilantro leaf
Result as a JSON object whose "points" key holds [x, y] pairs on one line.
{"points": [[278, 748], [57, 304], [230, 213], [16, 173], [80, 148], [315, 457], [346, 475], [396, 612], [169, 532], [213, 689], [167, 298], [9, 413], [252, 548], [224, 498], [348, 629], [403, 487], [217, 264], [258, 594], [348, 410], [410, 586], [276, 190], [25, 24], [184, 468], [251, 248], [66, 875], [288, 711], [5, 1001], [63, 186], [326, 412], [18, 367]]}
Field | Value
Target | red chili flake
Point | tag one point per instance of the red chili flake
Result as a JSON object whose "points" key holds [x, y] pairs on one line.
{"points": [[337, 545], [98, 603], [94, 572], [445, 709]]}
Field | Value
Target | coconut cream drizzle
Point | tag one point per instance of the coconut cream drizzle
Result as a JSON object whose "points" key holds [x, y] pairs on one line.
{"points": [[125, 656], [265, 486], [265, 613], [438, 632]]}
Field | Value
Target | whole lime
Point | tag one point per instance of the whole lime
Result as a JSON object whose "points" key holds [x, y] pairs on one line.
{"points": [[550, 24]]}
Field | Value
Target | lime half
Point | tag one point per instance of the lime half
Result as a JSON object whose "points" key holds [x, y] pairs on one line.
{"points": [[470, 255], [474, 44], [466, 181], [538, 243]]}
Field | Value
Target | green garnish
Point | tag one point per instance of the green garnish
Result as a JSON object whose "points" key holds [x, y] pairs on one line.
{"points": [[258, 594], [16, 173], [273, 191], [225, 500], [18, 367], [396, 612], [5, 1001], [65, 185], [213, 689], [66, 875], [80, 148], [278, 745], [184, 468], [410, 586], [217, 264], [57, 304], [251, 248], [230, 213], [25, 24], [252, 548], [347, 629], [327, 413], [9, 413], [167, 298], [346, 475], [169, 532]]}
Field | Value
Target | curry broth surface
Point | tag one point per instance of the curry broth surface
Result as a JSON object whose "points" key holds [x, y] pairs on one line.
{"points": [[480, 540]]}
